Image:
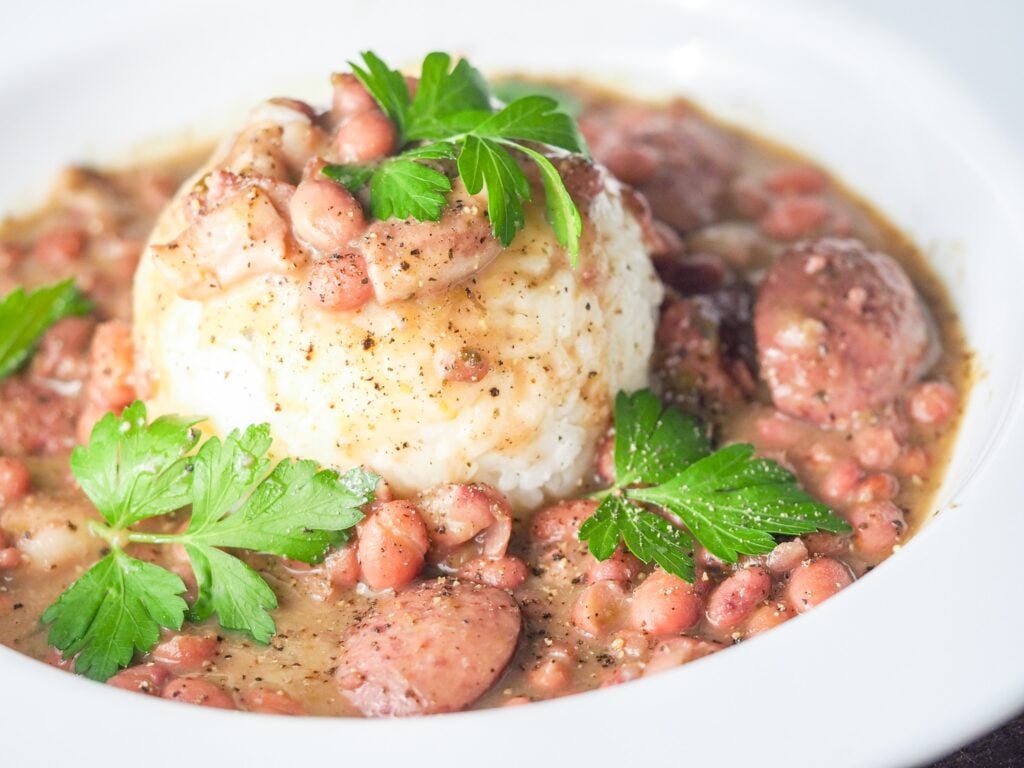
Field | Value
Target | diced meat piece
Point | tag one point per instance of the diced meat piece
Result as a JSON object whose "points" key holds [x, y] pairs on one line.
{"points": [[681, 163], [436, 647], [457, 513], [416, 258], [243, 237], [839, 329]]}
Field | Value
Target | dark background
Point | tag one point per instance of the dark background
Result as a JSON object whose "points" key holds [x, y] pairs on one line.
{"points": [[1002, 749]]}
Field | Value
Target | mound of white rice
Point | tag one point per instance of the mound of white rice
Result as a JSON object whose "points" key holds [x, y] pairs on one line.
{"points": [[365, 387]]}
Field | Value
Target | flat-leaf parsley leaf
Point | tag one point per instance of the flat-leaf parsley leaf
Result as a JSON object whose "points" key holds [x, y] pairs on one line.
{"points": [[453, 116], [133, 470], [727, 501], [24, 317]]}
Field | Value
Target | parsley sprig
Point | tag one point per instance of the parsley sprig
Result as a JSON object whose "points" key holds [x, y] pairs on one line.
{"points": [[728, 501], [133, 471], [453, 117], [25, 316]]}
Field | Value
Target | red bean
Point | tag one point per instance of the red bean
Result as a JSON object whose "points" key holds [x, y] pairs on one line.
{"points": [[15, 482], [188, 653], [339, 282], [793, 217], [933, 403], [56, 659], [365, 137], [350, 97], [876, 447], [877, 528], [736, 597], [675, 651], [796, 180], [665, 605], [840, 480], [606, 459], [325, 216], [392, 543], [516, 701], [112, 362], [878, 487], [786, 556], [779, 431], [633, 164], [142, 678], [342, 567], [59, 247], [816, 581], [598, 608], [766, 617], [914, 461], [507, 572], [561, 522], [270, 701], [201, 692], [552, 673], [10, 558], [621, 566], [468, 365]]}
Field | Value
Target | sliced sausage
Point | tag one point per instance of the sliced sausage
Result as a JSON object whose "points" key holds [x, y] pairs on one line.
{"points": [[436, 647], [839, 329]]}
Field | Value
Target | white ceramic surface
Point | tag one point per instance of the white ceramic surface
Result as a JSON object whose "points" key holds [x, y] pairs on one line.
{"points": [[921, 655]]}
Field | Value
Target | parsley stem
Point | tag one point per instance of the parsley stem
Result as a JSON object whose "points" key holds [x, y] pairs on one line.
{"points": [[114, 538], [140, 537]]}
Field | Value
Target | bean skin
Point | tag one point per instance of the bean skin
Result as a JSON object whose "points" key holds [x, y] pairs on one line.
{"points": [[736, 597], [816, 581]]}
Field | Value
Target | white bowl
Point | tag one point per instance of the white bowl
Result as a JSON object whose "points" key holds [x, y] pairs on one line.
{"points": [[919, 656]]}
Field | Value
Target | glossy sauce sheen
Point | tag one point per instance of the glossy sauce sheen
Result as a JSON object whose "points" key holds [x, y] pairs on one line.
{"points": [[736, 209]]}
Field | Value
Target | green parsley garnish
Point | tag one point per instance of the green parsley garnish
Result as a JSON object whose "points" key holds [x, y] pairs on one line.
{"points": [[24, 317], [453, 117], [133, 471], [728, 501]]}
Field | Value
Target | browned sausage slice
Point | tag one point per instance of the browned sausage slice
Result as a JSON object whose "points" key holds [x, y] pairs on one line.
{"points": [[436, 647], [839, 329]]}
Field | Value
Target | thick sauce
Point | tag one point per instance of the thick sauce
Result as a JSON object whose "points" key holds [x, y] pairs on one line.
{"points": [[726, 208]]}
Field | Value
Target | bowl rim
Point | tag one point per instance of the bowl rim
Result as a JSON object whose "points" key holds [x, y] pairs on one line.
{"points": [[84, 708]]}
